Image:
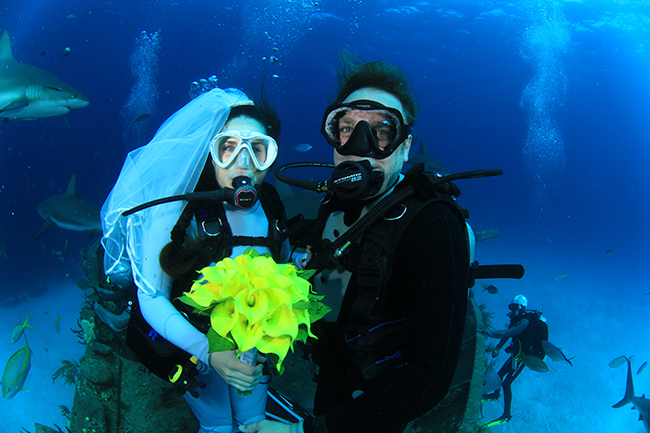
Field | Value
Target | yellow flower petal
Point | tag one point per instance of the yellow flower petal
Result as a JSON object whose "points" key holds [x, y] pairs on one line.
{"points": [[213, 274], [237, 265], [277, 297], [262, 266], [239, 262], [232, 288], [280, 322], [278, 345], [246, 336], [252, 304], [224, 317], [203, 294], [260, 283]]}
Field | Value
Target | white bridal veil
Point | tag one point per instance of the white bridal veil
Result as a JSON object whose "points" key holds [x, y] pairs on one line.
{"points": [[170, 164]]}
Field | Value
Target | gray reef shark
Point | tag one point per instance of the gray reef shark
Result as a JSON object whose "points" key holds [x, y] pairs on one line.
{"points": [[27, 92], [430, 163], [641, 404], [301, 202], [69, 212]]}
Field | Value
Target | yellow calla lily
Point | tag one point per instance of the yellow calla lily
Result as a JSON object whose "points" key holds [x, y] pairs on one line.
{"points": [[224, 317], [245, 336], [277, 297], [281, 321], [252, 304], [277, 345], [202, 297]]}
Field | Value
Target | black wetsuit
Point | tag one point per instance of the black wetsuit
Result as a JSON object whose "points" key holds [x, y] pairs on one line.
{"points": [[530, 341], [427, 287]]}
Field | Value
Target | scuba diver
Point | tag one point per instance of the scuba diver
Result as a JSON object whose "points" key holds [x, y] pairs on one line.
{"points": [[213, 154], [528, 330], [392, 254]]}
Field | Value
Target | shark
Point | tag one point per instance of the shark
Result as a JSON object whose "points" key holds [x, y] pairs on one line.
{"points": [[430, 163], [641, 404], [27, 92], [301, 202], [69, 212]]}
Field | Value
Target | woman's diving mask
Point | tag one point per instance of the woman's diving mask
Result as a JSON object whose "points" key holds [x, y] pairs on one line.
{"points": [[227, 148], [378, 140]]}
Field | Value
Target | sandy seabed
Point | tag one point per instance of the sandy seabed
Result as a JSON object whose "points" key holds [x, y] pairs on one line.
{"points": [[592, 323], [41, 403]]}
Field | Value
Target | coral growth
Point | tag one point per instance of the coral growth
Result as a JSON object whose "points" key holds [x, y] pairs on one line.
{"points": [[487, 316], [69, 371]]}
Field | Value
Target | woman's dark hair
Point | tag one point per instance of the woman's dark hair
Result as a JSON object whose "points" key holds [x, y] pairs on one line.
{"points": [[181, 255], [263, 113], [354, 73]]}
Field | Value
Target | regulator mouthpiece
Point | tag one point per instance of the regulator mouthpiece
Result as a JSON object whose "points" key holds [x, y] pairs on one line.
{"points": [[354, 180], [245, 195]]}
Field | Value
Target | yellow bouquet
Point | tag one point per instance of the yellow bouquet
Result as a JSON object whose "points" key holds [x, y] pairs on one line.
{"points": [[254, 302]]}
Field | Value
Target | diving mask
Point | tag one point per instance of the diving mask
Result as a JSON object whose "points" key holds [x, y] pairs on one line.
{"points": [[227, 146], [377, 140]]}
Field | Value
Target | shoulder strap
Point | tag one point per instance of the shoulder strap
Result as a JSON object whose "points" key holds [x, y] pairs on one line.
{"points": [[212, 211], [276, 216], [376, 248], [375, 254]]}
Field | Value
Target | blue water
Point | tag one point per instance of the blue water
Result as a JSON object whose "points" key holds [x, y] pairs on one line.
{"points": [[554, 93]]}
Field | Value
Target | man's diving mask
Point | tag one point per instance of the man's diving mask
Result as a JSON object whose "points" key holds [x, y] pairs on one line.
{"points": [[378, 140], [228, 147]]}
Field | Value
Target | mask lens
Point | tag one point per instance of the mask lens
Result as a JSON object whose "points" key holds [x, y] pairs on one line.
{"points": [[513, 307], [260, 148], [228, 145], [385, 133], [387, 128]]}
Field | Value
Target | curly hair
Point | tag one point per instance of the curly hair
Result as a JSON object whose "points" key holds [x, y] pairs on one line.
{"points": [[354, 73]]}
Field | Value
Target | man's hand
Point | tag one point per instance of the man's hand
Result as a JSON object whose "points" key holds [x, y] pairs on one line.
{"points": [[242, 376]]}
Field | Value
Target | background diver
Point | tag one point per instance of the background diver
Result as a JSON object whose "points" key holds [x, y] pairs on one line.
{"points": [[528, 330]]}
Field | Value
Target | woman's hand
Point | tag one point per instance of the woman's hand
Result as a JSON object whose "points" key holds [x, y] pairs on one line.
{"points": [[266, 427], [242, 376]]}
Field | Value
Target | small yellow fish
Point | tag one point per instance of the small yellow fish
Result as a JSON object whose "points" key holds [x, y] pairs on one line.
{"points": [[618, 362], [141, 118], [57, 325], [534, 363], [559, 277], [18, 330]]}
